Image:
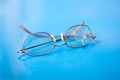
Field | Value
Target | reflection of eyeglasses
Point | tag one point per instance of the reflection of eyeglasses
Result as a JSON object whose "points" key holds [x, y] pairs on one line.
{"points": [[40, 43]]}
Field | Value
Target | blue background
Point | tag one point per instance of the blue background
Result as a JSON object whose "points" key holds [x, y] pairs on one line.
{"points": [[99, 61]]}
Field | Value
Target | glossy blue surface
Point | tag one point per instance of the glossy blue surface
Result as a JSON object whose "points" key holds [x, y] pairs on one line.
{"points": [[98, 61]]}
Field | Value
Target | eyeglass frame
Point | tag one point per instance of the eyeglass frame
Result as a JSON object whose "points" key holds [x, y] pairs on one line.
{"points": [[63, 37]]}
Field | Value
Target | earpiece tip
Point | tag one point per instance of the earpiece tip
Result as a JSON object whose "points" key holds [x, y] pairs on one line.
{"points": [[93, 37], [20, 51]]}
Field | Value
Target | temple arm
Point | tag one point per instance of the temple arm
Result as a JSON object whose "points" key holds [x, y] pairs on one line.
{"points": [[77, 29], [24, 29], [23, 50]]}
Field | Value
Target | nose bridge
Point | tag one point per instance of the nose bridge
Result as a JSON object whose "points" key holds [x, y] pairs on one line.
{"points": [[59, 40]]}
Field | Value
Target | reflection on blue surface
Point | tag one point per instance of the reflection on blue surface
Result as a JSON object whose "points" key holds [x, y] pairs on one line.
{"points": [[98, 61]]}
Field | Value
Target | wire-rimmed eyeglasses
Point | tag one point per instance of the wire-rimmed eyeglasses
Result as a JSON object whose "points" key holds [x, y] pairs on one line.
{"points": [[40, 43]]}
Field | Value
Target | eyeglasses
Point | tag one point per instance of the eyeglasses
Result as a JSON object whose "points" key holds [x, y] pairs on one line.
{"points": [[41, 43]]}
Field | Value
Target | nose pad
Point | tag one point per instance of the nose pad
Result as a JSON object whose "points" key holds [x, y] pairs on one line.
{"points": [[53, 38], [61, 35], [93, 37], [59, 40]]}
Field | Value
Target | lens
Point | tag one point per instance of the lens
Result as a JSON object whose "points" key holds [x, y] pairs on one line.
{"points": [[78, 36], [38, 44]]}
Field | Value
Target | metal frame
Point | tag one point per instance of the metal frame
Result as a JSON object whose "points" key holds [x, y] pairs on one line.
{"points": [[53, 39]]}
